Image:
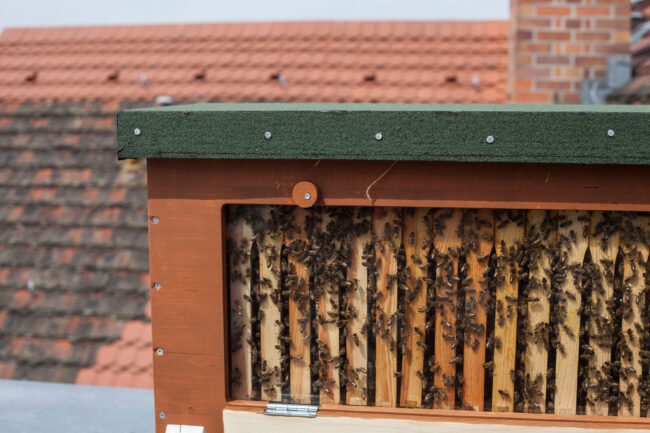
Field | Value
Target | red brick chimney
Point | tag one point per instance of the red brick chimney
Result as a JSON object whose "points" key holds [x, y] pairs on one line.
{"points": [[556, 44]]}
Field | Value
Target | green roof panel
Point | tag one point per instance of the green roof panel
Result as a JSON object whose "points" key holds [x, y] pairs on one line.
{"points": [[587, 134]]}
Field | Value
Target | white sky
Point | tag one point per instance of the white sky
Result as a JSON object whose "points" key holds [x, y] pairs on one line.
{"points": [[29, 13]]}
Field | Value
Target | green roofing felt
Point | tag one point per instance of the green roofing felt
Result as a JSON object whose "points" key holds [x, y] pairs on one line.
{"points": [[521, 133]]}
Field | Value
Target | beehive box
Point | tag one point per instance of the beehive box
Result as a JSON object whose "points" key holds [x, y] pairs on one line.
{"points": [[398, 267]]}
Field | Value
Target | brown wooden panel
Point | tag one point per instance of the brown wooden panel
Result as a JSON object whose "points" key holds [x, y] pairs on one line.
{"points": [[573, 235], [447, 242], [417, 241], [386, 226], [478, 229], [509, 233]]}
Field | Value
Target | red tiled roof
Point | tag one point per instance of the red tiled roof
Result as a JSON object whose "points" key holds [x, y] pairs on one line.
{"points": [[300, 61], [74, 282]]}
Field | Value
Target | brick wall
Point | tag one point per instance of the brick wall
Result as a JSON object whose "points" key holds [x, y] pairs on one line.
{"points": [[555, 44]]}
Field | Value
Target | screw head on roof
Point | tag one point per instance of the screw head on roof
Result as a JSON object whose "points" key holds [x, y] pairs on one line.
{"points": [[155, 220], [137, 131], [159, 351], [157, 286], [490, 139], [268, 135], [379, 136], [610, 132], [162, 415]]}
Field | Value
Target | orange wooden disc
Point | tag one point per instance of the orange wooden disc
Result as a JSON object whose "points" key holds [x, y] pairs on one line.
{"points": [[305, 194]]}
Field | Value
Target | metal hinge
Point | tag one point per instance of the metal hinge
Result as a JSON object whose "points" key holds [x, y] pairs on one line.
{"points": [[284, 409]]}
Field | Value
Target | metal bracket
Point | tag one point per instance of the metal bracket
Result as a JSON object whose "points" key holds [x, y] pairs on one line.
{"points": [[283, 409], [175, 428]]}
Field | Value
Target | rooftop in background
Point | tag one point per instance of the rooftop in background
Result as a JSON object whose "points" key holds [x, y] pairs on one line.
{"points": [[29, 407], [425, 62]]}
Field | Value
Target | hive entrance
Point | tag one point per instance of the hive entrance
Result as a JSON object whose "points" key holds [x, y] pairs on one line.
{"points": [[496, 310]]}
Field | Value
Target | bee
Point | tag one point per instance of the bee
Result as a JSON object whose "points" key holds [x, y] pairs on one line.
{"points": [[355, 338], [504, 393]]}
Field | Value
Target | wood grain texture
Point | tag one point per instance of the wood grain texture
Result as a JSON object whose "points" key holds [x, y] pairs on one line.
{"points": [[328, 308], [508, 235], [299, 371], [386, 226], [541, 234], [479, 232], [270, 249], [635, 251], [573, 233], [357, 354], [240, 235], [447, 242], [417, 234], [603, 245]]}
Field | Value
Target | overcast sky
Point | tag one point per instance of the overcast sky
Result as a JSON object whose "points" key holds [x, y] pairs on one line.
{"points": [[29, 13]]}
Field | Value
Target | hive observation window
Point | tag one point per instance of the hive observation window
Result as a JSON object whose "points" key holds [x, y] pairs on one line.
{"points": [[536, 311]]}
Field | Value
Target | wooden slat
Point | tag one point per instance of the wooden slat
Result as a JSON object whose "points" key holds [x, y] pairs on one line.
{"points": [[635, 250], [328, 309], [541, 234], [478, 227], [573, 234], [447, 241], [510, 230], [299, 310], [386, 227], [270, 249], [603, 245], [240, 235], [357, 354], [416, 242]]}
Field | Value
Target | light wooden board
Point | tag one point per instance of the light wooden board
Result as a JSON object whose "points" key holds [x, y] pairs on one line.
{"points": [[240, 235], [299, 373], [270, 248], [635, 251], [357, 354], [505, 330], [386, 339], [416, 241], [446, 241], [328, 332], [602, 353], [541, 243], [478, 228], [246, 422], [574, 231]]}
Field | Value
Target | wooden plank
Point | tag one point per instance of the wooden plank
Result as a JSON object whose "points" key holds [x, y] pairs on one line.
{"points": [[296, 242], [328, 307], [357, 351], [238, 421], [509, 233], [386, 226], [240, 234], [573, 240], [478, 230], [635, 251], [447, 242], [417, 233], [541, 237], [603, 245], [270, 250]]}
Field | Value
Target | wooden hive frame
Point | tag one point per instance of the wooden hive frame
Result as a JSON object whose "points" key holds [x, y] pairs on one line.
{"points": [[445, 164]]}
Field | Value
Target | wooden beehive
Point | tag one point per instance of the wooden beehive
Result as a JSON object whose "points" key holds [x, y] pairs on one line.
{"points": [[478, 267]]}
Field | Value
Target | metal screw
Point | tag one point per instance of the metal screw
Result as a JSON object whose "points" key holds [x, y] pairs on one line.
{"points": [[157, 286], [379, 136], [137, 131], [267, 135], [155, 220], [162, 415], [490, 139], [307, 196], [159, 351], [610, 132]]}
